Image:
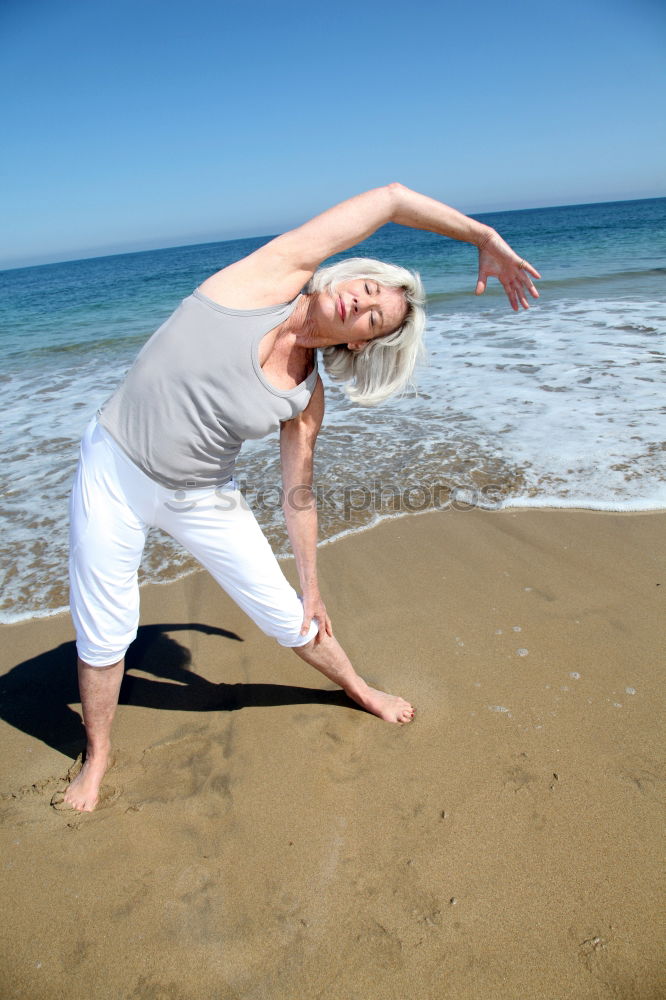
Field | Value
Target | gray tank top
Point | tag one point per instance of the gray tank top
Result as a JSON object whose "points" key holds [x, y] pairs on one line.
{"points": [[196, 392]]}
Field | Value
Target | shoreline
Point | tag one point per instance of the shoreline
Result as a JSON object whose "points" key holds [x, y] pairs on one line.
{"points": [[261, 836], [376, 520]]}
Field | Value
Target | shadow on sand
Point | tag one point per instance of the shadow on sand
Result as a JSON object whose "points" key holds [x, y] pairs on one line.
{"points": [[35, 696]]}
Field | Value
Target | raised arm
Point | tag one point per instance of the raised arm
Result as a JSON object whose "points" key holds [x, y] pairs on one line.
{"points": [[297, 444], [277, 271], [352, 221]]}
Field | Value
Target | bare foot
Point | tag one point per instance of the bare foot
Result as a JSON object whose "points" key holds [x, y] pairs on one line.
{"points": [[83, 791], [388, 707], [328, 656]]}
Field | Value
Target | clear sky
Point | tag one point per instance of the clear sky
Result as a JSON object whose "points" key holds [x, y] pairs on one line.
{"points": [[129, 124]]}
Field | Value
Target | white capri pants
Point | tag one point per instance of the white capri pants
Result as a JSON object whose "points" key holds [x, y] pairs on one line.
{"points": [[112, 505]]}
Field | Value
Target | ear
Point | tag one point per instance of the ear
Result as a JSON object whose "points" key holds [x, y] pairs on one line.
{"points": [[356, 346]]}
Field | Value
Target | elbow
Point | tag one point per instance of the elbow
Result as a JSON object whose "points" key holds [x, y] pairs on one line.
{"points": [[394, 194]]}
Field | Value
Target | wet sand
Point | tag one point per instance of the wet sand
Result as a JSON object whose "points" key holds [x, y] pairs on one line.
{"points": [[262, 838]]}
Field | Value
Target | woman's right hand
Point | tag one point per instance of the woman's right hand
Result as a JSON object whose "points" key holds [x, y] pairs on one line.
{"points": [[314, 608]]}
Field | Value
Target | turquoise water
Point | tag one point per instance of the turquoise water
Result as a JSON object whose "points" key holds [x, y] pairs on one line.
{"points": [[562, 405]]}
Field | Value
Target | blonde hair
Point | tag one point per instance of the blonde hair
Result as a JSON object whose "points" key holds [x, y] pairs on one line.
{"points": [[385, 365]]}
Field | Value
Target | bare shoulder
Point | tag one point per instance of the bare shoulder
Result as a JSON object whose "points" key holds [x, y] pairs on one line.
{"points": [[277, 271], [267, 277]]}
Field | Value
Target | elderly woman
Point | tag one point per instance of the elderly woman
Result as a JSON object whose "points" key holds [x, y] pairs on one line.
{"points": [[237, 360]]}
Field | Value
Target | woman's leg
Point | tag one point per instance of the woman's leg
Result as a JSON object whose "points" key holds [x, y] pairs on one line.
{"points": [[328, 657], [107, 537], [98, 687], [221, 532]]}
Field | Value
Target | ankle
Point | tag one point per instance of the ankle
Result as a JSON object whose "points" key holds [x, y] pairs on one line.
{"points": [[358, 690], [98, 752]]}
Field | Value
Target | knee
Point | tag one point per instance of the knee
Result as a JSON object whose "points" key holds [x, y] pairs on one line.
{"points": [[98, 667], [294, 639], [98, 657], [304, 649]]}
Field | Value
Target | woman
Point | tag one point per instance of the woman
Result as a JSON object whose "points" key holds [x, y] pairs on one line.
{"points": [[236, 360]]}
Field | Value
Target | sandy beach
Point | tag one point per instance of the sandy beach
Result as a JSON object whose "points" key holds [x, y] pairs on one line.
{"points": [[262, 838]]}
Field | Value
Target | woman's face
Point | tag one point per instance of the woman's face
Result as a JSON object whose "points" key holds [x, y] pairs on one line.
{"points": [[358, 311]]}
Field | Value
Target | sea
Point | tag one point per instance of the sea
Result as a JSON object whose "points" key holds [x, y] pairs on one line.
{"points": [[562, 405]]}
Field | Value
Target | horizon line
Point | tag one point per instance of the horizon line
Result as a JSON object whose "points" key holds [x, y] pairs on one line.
{"points": [[136, 248]]}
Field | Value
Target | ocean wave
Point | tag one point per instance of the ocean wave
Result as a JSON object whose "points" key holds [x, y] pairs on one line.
{"points": [[564, 283]]}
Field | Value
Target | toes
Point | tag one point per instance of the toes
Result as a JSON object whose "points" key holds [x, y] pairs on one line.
{"points": [[64, 803], [58, 801]]}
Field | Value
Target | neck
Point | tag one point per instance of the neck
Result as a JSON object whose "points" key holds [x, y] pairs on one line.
{"points": [[301, 325]]}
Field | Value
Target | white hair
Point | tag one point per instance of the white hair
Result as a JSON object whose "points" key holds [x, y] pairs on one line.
{"points": [[384, 365]]}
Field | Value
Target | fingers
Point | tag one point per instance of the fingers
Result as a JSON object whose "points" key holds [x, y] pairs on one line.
{"points": [[325, 628], [526, 266], [324, 624], [527, 283], [520, 292], [517, 297], [509, 284], [511, 295], [518, 284], [515, 294], [525, 270], [309, 612], [515, 274], [526, 286]]}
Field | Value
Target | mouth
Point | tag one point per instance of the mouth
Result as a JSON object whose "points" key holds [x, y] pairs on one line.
{"points": [[341, 308]]}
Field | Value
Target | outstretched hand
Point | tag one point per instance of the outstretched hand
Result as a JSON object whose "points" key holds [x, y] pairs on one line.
{"points": [[498, 260]]}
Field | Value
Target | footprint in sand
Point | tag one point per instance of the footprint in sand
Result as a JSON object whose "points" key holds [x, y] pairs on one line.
{"points": [[646, 775], [184, 766], [342, 755]]}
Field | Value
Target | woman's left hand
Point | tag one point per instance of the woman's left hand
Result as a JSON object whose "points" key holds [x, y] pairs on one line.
{"points": [[498, 260], [313, 607]]}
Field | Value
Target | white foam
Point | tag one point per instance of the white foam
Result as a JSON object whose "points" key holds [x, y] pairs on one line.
{"points": [[572, 391], [658, 502]]}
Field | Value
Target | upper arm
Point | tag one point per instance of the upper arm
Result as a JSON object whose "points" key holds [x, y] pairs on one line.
{"points": [[277, 271], [340, 227], [298, 437]]}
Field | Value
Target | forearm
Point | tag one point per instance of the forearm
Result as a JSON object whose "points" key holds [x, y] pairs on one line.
{"points": [[343, 226], [300, 511], [418, 211]]}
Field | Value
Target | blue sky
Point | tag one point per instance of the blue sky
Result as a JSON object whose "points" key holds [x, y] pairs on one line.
{"points": [[129, 124]]}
